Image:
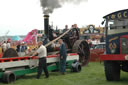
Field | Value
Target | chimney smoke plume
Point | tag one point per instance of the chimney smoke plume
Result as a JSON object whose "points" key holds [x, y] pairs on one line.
{"points": [[48, 6]]}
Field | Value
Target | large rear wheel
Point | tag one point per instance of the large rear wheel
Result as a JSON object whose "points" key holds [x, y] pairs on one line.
{"points": [[10, 53], [82, 48]]}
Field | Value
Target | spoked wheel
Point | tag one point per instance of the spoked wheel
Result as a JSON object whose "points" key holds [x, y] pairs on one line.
{"points": [[10, 53], [82, 48]]}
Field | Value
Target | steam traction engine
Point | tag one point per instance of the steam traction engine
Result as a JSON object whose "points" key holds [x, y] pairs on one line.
{"points": [[12, 66], [71, 39], [116, 57]]}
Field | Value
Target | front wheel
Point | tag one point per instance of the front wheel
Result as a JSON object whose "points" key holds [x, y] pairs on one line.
{"points": [[76, 67], [112, 70], [9, 77]]}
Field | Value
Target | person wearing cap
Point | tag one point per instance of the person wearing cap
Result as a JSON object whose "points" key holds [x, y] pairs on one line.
{"points": [[42, 54], [21, 49]]}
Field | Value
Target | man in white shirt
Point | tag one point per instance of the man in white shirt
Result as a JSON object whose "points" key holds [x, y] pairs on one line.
{"points": [[42, 54], [4, 46], [8, 45]]}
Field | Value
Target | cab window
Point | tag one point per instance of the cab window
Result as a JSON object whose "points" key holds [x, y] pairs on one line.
{"points": [[117, 24]]}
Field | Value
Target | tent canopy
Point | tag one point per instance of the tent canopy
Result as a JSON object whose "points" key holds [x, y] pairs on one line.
{"points": [[16, 38]]}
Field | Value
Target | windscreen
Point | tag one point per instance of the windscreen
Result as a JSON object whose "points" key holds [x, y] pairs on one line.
{"points": [[117, 24]]}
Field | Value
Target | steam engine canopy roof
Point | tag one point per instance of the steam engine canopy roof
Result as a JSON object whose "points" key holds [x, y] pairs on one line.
{"points": [[121, 14]]}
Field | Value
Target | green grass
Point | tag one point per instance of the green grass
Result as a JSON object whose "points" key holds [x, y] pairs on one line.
{"points": [[93, 74]]}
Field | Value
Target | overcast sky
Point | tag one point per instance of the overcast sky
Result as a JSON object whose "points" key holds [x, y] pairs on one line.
{"points": [[21, 16]]}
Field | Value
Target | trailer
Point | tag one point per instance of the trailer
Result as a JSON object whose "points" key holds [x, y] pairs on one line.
{"points": [[11, 68]]}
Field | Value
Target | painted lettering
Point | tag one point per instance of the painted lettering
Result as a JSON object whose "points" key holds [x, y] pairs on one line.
{"points": [[125, 14], [119, 15], [113, 16], [108, 17]]}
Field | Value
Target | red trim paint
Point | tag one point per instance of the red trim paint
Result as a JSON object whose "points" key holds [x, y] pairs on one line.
{"points": [[71, 54], [16, 59], [52, 56], [124, 36], [113, 57], [28, 57]]}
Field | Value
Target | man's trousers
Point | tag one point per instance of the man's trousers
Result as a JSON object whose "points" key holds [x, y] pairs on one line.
{"points": [[42, 66]]}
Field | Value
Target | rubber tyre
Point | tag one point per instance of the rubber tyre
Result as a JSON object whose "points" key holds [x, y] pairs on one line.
{"points": [[112, 70], [76, 67], [9, 77]]}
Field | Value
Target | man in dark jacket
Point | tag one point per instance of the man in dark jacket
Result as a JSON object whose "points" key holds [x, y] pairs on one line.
{"points": [[65, 29], [63, 56], [21, 49]]}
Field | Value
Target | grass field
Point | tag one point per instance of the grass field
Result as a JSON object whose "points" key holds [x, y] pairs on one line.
{"points": [[93, 74]]}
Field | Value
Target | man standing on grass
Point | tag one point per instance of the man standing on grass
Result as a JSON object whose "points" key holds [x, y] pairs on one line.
{"points": [[42, 53], [63, 56]]}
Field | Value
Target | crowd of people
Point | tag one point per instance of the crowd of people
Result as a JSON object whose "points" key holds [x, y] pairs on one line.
{"points": [[72, 26], [6, 45], [21, 48]]}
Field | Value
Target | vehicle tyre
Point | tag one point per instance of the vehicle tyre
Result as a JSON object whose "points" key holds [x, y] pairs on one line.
{"points": [[112, 70], [9, 77], [76, 67]]}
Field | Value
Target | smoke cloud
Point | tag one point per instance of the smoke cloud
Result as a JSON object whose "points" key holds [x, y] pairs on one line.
{"points": [[48, 6]]}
